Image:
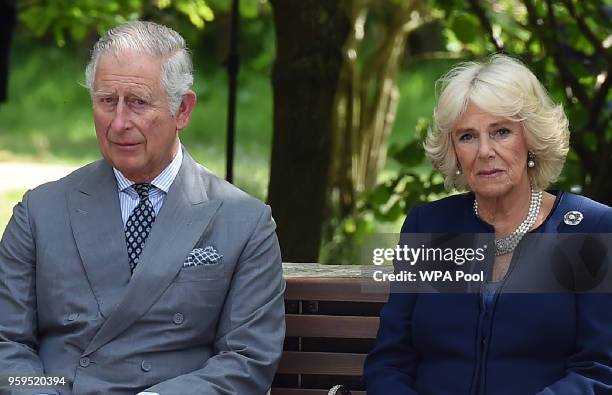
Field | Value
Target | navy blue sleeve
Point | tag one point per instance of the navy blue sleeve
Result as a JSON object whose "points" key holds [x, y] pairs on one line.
{"points": [[390, 367], [589, 369]]}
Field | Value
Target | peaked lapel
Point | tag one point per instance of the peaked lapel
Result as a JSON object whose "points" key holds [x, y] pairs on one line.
{"points": [[184, 216], [97, 228]]}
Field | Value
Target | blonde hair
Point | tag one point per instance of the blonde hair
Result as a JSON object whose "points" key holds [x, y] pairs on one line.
{"points": [[501, 86]]}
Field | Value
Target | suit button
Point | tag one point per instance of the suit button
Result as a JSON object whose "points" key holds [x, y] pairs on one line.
{"points": [[145, 366], [84, 362], [178, 319], [72, 316]]}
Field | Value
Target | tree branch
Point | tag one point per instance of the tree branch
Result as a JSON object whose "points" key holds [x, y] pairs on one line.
{"points": [[568, 78], [595, 42], [606, 121], [577, 88], [486, 25], [599, 100], [581, 149]]}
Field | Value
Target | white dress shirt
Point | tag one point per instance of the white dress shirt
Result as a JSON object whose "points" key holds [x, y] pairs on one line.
{"points": [[128, 197]]}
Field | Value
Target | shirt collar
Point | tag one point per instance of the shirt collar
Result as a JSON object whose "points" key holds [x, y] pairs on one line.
{"points": [[163, 181]]}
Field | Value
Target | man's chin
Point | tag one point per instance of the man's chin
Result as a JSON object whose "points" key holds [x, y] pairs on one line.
{"points": [[132, 170]]}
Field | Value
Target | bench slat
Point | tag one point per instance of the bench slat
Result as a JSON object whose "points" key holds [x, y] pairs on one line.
{"points": [[335, 326], [324, 363], [298, 391], [333, 289]]}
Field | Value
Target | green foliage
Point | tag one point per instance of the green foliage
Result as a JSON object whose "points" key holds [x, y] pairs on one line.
{"points": [[77, 18], [249, 9], [464, 26], [197, 11], [408, 178], [414, 183]]}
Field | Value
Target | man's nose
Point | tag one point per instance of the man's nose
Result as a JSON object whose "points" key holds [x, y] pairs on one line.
{"points": [[121, 120]]}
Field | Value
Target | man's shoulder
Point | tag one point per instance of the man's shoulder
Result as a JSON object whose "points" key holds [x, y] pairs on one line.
{"points": [[70, 180], [216, 188], [50, 198]]}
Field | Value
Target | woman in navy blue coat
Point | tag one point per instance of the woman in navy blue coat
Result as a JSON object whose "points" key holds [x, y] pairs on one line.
{"points": [[497, 134]]}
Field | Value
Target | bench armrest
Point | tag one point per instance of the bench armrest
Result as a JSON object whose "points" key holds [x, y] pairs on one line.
{"points": [[339, 390]]}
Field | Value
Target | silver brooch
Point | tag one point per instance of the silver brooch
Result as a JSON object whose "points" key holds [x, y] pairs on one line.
{"points": [[573, 217]]}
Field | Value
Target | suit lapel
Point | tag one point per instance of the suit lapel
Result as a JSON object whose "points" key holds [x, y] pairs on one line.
{"points": [[97, 228], [184, 216]]}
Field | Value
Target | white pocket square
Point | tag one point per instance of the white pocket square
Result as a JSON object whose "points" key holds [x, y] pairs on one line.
{"points": [[203, 256]]}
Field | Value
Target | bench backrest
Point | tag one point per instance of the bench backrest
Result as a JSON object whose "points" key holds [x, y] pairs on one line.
{"points": [[331, 326]]}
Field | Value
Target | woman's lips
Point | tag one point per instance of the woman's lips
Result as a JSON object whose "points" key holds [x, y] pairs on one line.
{"points": [[490, 173]]}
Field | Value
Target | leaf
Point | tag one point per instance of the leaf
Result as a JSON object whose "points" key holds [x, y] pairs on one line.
{"points": [[380, 195], [197, 11], [58, 33], [466, 27], [410, 155], [349, 226], [590, 140], [395, 211], [78, 31], [162, 4], [37, 19], [249, 8], [449, 5]]}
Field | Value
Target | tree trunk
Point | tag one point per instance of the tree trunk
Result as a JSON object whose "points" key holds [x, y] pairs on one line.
{"points": [[597, 172], [310, 35], [367, 99], [8, 18]]}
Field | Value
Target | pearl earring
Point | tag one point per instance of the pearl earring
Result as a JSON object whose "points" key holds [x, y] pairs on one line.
{"points": [[458, 171], [530, 160]]}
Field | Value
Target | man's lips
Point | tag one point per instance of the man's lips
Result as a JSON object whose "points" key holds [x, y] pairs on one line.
{"points": [[127, 146]]}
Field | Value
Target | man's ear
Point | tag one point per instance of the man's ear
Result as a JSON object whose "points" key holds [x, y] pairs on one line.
{"points": [[183, 115]]}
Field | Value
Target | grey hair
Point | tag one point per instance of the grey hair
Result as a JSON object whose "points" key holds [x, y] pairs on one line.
{"points": [[157, 41], [501, 86]]}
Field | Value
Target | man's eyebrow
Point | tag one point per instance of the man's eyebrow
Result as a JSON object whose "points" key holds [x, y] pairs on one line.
{"points": [[103, 93], [142, 95]]}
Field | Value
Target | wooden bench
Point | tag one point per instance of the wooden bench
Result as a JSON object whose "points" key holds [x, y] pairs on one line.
{"points": [[331, 326]]}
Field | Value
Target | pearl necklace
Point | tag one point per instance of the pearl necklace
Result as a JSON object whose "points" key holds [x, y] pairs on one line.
{"points": [[507, 244]]}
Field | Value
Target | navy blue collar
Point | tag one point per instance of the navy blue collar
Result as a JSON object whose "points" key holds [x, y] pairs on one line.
{"points": [[550, 224]]}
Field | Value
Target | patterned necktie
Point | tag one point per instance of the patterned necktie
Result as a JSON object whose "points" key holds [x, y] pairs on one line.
{"points": [[139, 224]]}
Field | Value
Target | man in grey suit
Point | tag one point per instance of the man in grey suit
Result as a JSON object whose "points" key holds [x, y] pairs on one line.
{"points": [[142, 272]]}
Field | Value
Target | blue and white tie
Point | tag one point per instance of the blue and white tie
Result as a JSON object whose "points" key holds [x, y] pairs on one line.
{"points": [[139, 224]]}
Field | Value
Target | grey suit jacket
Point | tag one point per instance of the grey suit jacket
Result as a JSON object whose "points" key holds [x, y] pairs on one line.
{"points": [[68, 305]]}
